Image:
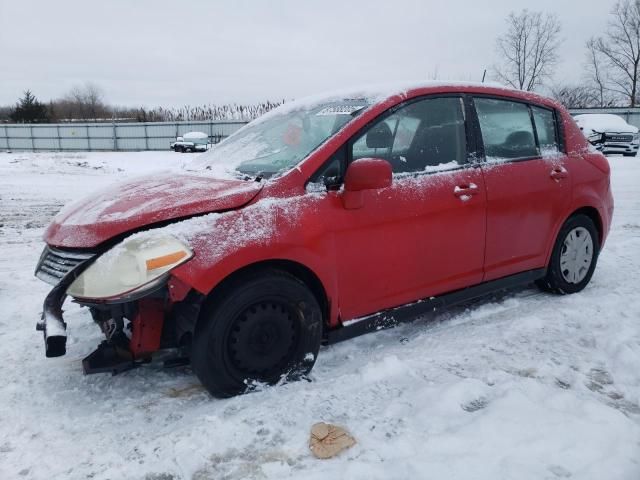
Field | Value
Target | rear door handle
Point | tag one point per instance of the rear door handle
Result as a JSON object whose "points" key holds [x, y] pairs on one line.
{"points": [[465, 192], [559, 173]]}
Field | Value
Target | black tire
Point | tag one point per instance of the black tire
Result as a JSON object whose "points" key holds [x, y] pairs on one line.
{"points": [[556, 280], [177, 149], [266, 327], [632, 154]]}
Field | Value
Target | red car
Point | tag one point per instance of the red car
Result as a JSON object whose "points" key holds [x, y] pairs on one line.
{"points": [[325, 219]]}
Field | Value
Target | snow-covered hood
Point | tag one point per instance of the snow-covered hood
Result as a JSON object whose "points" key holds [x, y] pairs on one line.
{"points": [[141, 202], [603, 123]]}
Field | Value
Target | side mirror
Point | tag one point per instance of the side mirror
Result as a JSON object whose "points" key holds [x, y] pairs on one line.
{"points": [[365, 174]]}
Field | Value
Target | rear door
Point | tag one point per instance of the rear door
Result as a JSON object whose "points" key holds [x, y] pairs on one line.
{"points": [[527, 180]]}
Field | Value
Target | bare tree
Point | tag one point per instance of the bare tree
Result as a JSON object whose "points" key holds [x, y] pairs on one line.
{"points": [[620, 49], [597, 76], [575, 96], [528, 49], [93, 98], [84, 102]]}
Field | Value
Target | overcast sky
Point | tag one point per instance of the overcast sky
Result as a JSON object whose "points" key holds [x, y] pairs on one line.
{"points": [[170, 53]]}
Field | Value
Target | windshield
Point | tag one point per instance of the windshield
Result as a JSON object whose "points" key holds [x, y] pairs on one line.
{"points": [[279, 140]]}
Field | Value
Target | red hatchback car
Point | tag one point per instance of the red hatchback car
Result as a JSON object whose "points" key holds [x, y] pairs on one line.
{"points": [[325, 219]]}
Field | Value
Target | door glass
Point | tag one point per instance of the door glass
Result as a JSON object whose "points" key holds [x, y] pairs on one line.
{"points": [[546, 130], [427, 135], [506, 127]]}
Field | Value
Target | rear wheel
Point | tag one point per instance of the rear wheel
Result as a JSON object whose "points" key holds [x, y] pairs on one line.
{"points": [[574, 256], [262, 329]]}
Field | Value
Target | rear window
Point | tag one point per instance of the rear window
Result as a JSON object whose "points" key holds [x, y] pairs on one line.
{"points": [[507, 131], [546, 129]]}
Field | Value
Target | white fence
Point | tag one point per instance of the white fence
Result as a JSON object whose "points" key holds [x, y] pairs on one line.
{"points": [[153, 135], [107, 136]]}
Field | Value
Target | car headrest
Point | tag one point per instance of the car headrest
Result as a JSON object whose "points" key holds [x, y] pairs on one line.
{"points": [[520, 139], [380, 136]]}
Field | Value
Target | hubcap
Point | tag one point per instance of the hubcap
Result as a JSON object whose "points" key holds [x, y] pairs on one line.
{"points": [[262, 338], [576, 255]]}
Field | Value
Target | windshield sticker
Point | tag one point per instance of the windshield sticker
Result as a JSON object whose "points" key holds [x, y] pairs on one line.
{"points": [[340, 109]]}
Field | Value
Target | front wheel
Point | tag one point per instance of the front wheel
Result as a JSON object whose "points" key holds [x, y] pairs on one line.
{"points": [[574, 256], [630, 154], [263, 328]]}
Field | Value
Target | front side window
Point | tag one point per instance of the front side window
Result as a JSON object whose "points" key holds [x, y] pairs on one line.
{"points": [[507, 131], [546, 129], [422, 136]]}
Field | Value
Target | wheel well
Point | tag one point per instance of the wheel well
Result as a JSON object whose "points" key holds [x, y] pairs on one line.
{"points": [[593, 214], [301, 272]]}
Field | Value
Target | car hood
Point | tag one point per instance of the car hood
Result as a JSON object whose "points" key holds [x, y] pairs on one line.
{"points": [[618, 129], [604, 125], [143, 202]]}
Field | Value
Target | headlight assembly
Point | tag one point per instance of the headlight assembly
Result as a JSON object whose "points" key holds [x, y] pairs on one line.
{"points": [[133, 266], [595, 137]]}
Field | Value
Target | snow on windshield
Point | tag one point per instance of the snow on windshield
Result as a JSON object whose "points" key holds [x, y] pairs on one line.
{"points": [[279, 140]]}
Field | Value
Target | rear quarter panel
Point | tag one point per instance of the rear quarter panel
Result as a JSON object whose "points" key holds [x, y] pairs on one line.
{"points": [[590, 177]]}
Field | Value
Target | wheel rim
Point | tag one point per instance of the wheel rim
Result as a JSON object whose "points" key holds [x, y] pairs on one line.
{"points": [[576, 255], [262, 339]]}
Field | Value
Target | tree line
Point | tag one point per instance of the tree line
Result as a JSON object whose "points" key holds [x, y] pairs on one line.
{"points": [[528, 52], [85, 103]]}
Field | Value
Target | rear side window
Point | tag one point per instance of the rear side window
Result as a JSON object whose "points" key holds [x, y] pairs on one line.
{"points": [[506, 128], [546, 129]]}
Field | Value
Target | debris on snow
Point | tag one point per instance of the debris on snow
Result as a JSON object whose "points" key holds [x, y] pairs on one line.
{"points": [[328, 440]]}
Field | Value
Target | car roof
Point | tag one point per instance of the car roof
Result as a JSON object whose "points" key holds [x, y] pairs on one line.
{"points": [[387, 92]]}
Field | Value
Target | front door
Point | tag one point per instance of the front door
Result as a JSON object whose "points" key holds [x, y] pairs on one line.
{"points": [[423, 235]]}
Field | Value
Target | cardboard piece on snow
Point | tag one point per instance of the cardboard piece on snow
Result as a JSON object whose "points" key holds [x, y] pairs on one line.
{"points": [[328, 440]]}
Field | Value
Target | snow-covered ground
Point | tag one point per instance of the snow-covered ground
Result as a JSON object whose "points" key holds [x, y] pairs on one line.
{"points": [[523, 385]]}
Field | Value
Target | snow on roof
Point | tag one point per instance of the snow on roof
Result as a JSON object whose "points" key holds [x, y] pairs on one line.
{"points": [[604, 122], [195, 135], [368, 94], [372, 93]]}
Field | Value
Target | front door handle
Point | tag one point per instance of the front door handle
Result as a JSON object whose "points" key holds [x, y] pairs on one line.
{"points": [[558, 173], [465, 192]]}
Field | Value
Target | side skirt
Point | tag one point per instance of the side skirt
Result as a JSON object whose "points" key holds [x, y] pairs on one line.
{"points": [[406, 313]]}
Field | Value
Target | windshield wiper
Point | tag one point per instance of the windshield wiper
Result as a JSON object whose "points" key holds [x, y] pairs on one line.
{"points": [[257, 178]]}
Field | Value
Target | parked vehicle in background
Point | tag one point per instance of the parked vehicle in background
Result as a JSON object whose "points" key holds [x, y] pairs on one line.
{"points": [[325, 219], [609, 133], [191, 142]]}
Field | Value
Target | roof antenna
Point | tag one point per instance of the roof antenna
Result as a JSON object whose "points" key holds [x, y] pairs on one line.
{"points": [[484, 74]]}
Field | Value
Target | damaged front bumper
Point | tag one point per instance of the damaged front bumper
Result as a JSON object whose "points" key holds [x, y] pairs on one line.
{"points": [[135, 327], [58, 268], [51, 323]]}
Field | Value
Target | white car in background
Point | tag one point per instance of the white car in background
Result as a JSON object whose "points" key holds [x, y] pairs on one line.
{"points": [[191, 142], [609, 133]]}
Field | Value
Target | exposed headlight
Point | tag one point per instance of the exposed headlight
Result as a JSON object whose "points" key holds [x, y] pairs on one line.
{"points": [[595, 137], [135, 265], [636, 137]]}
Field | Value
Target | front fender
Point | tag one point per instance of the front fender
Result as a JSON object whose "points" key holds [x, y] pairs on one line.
{"points": [[282, 229]]}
